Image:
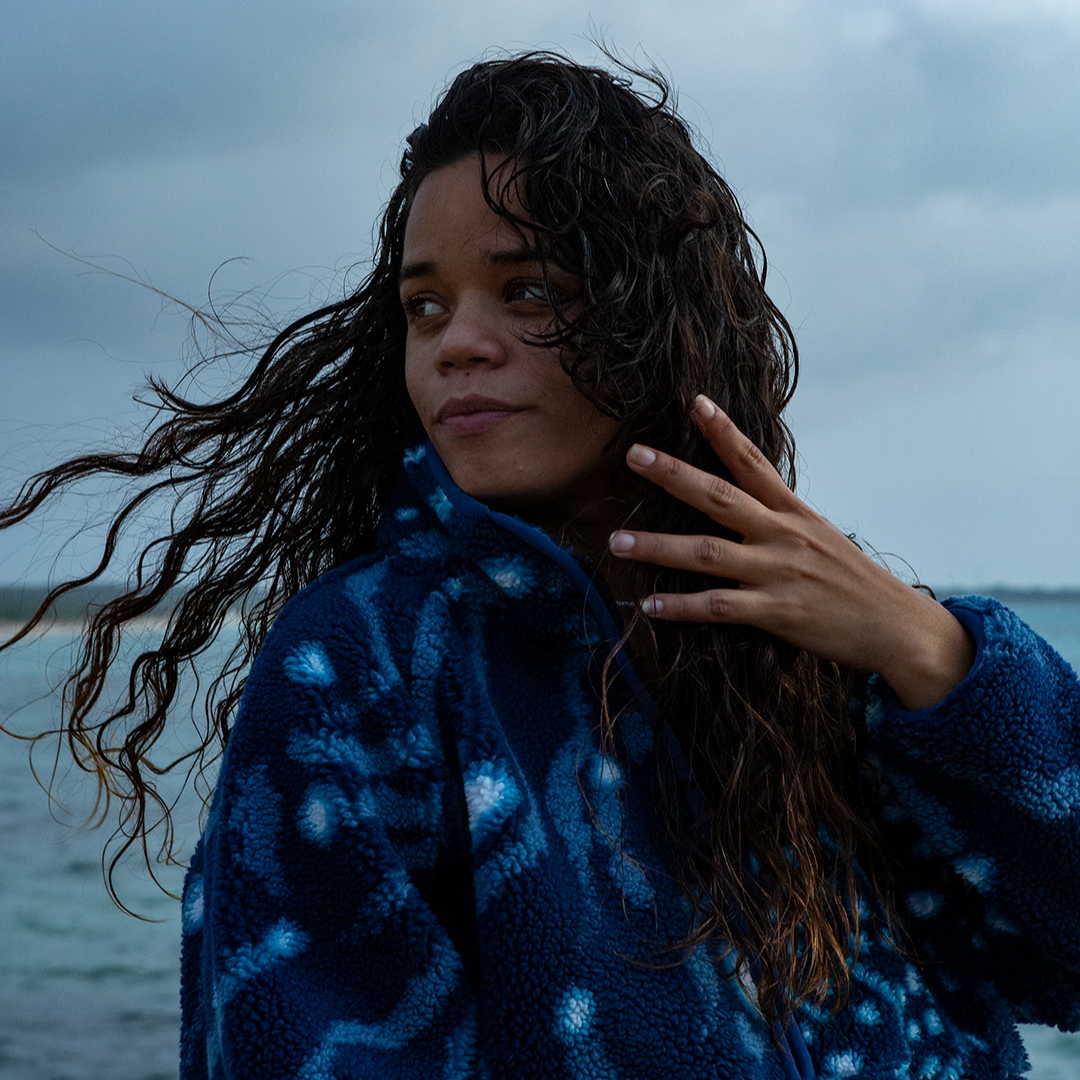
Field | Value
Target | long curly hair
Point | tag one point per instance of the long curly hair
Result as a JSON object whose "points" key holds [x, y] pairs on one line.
{"points": [[287, 476]]}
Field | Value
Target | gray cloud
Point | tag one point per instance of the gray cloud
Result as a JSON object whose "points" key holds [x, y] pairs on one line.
{"points": [[911, 167]]}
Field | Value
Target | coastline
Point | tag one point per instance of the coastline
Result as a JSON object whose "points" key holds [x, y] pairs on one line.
{"points": [[1010, 595]]}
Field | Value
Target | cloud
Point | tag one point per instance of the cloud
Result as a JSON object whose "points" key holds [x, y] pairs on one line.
{"points": [[123, 80], [910, 167]]}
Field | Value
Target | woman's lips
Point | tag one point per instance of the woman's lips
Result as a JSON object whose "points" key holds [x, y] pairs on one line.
{"points": [[473, 414]]}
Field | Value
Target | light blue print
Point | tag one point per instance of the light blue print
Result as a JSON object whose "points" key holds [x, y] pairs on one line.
{"points": [[1051, 799], [940, 835], [845, 1064], [512, 859], [428, 652], [329, 746], [254, 825], [326, 809], [977, 870], [606, 773], [631, 881], [868, 1013], [924, 904], [567, 809], [422, 1002], [491, 796], [320, 814], [573, 1015], [423, 545], [407, 513], [1029, 789], [605, 782], [585, 1058], [192, 915], [415, 454], [365, 591], [309, 666], [250, 961], [753, 1041], [391, 894], [702, 970], [513, 575], [442, 506], [891, 994], [415, 748], [875, 710], [383, 902]]}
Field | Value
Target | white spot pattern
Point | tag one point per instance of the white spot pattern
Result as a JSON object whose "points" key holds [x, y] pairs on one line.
{"points": [[193, 906], [846, 1064], [481, 795], [574, 1014], [310, 666], [488, 788], [923, 904], [977, 870]]}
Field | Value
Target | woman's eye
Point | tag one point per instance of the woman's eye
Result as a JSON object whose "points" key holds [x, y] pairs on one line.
{"points": [[419, 307], [533, 291]]}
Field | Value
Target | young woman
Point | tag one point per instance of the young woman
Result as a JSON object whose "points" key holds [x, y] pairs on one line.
{"points": [[564, 757]]}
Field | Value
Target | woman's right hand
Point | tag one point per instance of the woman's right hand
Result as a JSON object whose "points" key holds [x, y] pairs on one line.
{"points": [[798, 576]]}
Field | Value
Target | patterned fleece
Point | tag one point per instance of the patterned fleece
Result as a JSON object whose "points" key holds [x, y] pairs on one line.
{"points": [[419, 863]]}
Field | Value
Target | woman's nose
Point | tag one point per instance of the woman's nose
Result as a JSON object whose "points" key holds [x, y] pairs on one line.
{"points": [[473, 335]]}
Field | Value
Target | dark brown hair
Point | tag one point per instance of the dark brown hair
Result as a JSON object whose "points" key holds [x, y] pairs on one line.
{"points": [[286, 477]]}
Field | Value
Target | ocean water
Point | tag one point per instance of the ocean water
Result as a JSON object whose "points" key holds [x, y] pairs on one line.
{"points": [[89, 993]]}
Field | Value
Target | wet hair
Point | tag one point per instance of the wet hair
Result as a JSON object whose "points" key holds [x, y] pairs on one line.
{"points": [[286, 477]]}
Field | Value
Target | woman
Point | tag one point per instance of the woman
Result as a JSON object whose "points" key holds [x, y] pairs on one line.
{"points": [[562, 761]]}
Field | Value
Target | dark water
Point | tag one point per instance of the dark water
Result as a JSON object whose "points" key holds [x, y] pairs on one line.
{"points": [[88, 993]]}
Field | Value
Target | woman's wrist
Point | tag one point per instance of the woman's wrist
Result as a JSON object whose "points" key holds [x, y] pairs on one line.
{"points": [[934, 657]]}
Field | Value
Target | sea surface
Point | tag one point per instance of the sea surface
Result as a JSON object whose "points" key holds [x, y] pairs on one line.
{"points": [[89, 993]]}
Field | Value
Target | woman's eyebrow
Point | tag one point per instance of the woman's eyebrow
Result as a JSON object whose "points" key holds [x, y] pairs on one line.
{"points": [[415, 270], [514, 256], [509, 257]]}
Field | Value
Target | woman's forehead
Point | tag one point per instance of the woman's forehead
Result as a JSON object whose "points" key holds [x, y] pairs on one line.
{"points": [[450, 219]]}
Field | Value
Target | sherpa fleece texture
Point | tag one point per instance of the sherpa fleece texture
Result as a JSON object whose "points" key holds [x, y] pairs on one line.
{"points": [[444, 688]]}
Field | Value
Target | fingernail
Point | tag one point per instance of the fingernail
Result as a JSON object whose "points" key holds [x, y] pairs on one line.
{"points": [[641, 455], [704, 407], [652, 605], [620, 541]]}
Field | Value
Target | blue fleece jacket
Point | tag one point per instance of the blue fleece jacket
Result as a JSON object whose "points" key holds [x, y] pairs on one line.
{"points": [[419, 863]]}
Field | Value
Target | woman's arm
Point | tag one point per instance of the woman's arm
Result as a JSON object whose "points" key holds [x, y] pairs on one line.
{"points": [[976, 734], [798, 576], [309, 948], [981, 802]]}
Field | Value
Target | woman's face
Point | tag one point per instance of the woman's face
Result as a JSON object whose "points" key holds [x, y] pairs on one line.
{"points": [[504, 416]]}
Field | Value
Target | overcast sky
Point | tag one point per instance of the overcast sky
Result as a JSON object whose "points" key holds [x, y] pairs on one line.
{"points": [[913, 170]]}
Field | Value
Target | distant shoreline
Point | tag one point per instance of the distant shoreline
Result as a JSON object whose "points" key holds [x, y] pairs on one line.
{"points": [[67, 616], [18, 602], [1009, 595]]}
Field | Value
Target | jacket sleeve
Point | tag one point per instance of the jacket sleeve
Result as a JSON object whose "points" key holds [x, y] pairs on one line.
{"points": [[981, 805], [310, 950]]}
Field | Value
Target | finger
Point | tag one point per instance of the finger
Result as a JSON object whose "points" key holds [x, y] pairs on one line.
{"points": [[748, 465], [721, 500], [732, 606], [710, 555]]}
